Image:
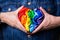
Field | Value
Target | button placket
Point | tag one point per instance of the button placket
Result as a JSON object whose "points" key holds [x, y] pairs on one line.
{"points": [[29, 3], [29, 37], [9, 9]]}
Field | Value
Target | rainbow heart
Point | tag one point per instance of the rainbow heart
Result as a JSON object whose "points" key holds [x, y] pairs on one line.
{"points": [[30, 19]]}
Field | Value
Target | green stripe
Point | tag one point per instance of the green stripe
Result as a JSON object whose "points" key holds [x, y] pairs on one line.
{"points": [[31, 13]]}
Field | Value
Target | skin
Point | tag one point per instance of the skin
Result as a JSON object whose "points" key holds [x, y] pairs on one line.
{"points": [[49, 22], [11, 19]]}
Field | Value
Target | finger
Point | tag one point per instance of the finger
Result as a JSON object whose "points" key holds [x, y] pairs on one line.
{"points": [[37, 29], [43, 10], [40, 27], [20, 8], [16, 12], [21, 27]]}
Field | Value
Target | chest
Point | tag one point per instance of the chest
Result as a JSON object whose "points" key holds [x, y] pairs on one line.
{"points": [[12, 5]]}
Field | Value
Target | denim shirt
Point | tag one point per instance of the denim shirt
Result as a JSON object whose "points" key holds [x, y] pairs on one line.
{"points": [[9, 33]]}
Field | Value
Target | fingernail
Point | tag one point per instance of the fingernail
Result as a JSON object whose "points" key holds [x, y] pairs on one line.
{"points": [[40, 7]]}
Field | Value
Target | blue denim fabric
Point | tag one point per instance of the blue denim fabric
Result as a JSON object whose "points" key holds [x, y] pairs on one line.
{"points": [[9, 33]]}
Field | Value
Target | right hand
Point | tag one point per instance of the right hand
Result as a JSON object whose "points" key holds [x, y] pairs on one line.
{"points": [[11, 18], [47, 23]]}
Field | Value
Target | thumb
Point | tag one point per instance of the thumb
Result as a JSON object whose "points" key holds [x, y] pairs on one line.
{"points": [[16, 12], [19, 8], [44, 12]]}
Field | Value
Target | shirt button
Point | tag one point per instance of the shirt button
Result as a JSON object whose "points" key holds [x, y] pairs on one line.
{"points": [[9, 9], [29, 3]]}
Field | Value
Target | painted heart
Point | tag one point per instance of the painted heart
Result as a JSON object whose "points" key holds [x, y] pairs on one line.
{"points": [[30, 19]]}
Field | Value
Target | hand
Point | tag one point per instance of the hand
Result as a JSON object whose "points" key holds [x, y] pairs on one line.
{"points": [[11, 18], [46, 23]]}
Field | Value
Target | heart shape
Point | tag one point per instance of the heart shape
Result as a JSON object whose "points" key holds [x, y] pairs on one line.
{"points": [[30, 19]]}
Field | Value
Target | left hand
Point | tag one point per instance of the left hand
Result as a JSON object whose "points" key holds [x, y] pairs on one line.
{"points": [[46, 23]]}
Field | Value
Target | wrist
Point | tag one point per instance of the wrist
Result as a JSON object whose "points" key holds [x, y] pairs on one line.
{"points": [[58, 21], [55, 21], [0, 18]]}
